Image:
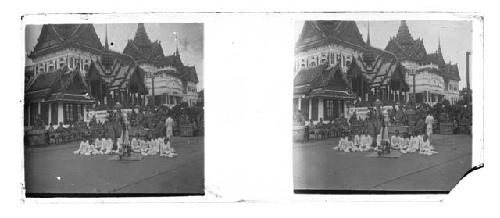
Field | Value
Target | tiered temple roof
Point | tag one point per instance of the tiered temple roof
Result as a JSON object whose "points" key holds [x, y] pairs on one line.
{"points": [[143, 50], [55, 37], [406, 48], [376, 66], [322, 32], [117, 70]]}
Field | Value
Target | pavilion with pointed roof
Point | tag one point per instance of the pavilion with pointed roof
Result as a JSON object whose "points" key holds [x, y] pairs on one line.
{"points": [[334, 54]]}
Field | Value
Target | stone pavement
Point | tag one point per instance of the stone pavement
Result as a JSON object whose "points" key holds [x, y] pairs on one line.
{"points": [[318, 167], [55, 169]]}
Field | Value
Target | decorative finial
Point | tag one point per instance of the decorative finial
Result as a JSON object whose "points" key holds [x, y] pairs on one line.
{"points": [[106, 45], [368, 37]]}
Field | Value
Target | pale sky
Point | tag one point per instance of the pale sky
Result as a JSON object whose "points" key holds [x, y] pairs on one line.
{"points": [[190, 36], [456, 37]]}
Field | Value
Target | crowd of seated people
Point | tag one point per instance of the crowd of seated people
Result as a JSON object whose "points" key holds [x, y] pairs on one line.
{"points": [[73, 132], [416, 143], [334, 128], [144, 145]]}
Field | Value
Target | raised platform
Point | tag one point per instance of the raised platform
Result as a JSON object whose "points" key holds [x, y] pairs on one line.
{"points": [[132, 157]]}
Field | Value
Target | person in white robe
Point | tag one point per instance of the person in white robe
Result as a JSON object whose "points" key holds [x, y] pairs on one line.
{"points": [[426, 147], [379, 140], [363, 143], [166, 149], [340, 146], [97, 143], [135, 145], [414, 144], [107, 146], [90, 149], [420, 139], [153, 147], [368, 142], [395, 141], [429, 120], [82, 149], [357, 140], [145, 147], [349, 145]]}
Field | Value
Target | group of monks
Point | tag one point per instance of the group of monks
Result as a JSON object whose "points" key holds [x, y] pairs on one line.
{"points": [[143, 146], [414, 143]]}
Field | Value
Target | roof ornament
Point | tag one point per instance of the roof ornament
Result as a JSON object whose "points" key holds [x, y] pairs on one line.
{"points": [[106, 45], [176, 44], [368, 37]]}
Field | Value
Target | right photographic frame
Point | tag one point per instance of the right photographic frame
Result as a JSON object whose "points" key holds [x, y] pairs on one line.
{"points": [[382, 106]]}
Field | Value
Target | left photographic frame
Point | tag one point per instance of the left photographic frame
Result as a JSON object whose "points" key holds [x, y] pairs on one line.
{"points": [[113, 109]]}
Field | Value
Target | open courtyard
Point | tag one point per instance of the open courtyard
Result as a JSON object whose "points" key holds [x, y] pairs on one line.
{"points": [[318, 167], [55, 169]]}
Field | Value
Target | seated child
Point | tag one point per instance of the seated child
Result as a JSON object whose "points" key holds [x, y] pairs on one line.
{"points": [[395, 140], [340, 145], [414, 144], [82, 149], [426, 147], [153, 147], [166, 150], [135, 145], [368, 142], [145, 147], [98, 143], [107, 146], [349, 145]]}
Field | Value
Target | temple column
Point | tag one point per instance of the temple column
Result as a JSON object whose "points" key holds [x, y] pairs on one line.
{"points": [[50, 113], [300, 103], [320, 109], [60, 112], [39, 108], [29, 114], [310, 109]]}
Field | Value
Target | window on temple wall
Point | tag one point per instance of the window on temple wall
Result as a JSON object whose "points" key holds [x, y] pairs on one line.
{"points": [[315, 109], [51, 67], [313, 64], [71, 62], [329, 109], [86, 67], [341, 108], [304, 107], [54, 113]]}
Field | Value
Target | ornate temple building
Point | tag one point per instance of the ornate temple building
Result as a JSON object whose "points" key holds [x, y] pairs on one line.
{"points": [[73, 72], [334, 66], [168, 80], [428, 74]]}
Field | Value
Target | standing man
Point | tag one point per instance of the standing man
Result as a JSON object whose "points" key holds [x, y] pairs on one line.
{"points": [[169, 124], [429, 120]]}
